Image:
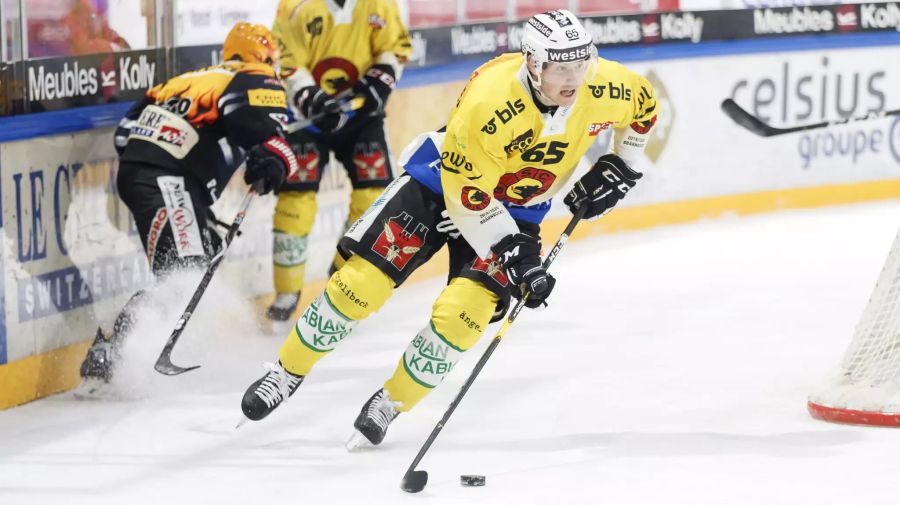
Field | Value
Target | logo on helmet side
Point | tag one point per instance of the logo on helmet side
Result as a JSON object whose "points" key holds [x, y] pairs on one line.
{"points": [[561, 19], [541, 27]]}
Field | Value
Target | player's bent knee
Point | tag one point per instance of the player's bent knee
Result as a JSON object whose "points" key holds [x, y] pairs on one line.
{"points": [[462, 311], [359, 288], [295, 212]]}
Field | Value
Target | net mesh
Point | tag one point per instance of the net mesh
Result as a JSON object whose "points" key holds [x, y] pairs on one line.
{"points": [[869, 378]]}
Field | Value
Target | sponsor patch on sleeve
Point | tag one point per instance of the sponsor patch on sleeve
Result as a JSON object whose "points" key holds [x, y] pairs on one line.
{"points": [[267, 98]]}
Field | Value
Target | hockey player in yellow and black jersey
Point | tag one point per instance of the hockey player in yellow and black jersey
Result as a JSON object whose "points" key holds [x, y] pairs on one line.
{"points": [[333, 49], [178, 148], [482, 186]]}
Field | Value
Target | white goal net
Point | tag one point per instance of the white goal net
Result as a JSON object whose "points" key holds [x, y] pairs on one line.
{"points": [[866, 389]]}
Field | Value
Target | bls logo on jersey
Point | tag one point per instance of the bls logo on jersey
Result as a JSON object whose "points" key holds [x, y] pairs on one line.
{"points": [[616, 91], [172, 135], [523, 186], [401, 239], [505, 115], [595, 128], [474, 198], [491, 266]]}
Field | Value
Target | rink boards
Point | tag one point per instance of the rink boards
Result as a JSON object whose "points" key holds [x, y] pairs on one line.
{"points": [[71, 255]]}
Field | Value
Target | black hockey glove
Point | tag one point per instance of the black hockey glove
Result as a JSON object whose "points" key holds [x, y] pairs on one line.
{"points": [[375, 87], [603, 186], [320, 107], [520, 255], [269, 164]]}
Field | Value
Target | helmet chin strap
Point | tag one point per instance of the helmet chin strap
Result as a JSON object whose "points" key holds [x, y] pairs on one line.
{"points": [[535, 84]]}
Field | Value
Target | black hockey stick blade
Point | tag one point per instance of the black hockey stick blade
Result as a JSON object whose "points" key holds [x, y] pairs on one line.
{"points": [[747, 120], [165, 366], [164, 363], [414, 481]]}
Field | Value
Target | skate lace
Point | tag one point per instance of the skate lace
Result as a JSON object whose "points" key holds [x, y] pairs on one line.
{"points": [[382, 410], [277, 384], [286, 300]]}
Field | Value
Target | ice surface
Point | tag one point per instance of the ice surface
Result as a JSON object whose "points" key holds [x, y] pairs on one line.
{"points": [[672, 366]]}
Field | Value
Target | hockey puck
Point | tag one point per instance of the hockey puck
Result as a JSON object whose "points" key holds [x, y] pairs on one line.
{"points": [[471, 480]]}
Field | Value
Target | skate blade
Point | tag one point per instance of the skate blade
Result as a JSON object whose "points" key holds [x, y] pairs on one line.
{"points": [[92, 389], [241, 422], [358, 443]]}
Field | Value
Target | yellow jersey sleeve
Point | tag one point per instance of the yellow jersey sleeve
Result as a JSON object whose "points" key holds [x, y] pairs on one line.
{"points": [[295, 54], [389, 34], [633, 131], [471, 165]]}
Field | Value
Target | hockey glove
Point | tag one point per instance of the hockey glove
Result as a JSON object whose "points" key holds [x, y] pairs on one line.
{"points": [[375, 87], [321, 108], [269, 164], [603, 186], [520, 255]]}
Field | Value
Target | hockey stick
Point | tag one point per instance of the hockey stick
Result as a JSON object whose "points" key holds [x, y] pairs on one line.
{"points": [[415, 480], [350, 105], [757, 126], [164, 363]]}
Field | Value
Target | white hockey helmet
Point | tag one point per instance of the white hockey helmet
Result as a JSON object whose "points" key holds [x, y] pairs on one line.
{"points": [[556, 37]]}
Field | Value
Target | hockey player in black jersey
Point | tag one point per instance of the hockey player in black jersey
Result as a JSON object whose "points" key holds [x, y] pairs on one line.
{"points": [[178, 147]]}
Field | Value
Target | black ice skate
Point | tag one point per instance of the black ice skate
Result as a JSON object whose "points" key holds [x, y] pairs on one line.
{"points": [[264, 395], [100, 360], [283, 307], [373, 421], [97, 369]]}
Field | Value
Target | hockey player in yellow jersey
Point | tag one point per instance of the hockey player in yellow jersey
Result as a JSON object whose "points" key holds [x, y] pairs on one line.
{"points": [[482, 186], [322, 61]]}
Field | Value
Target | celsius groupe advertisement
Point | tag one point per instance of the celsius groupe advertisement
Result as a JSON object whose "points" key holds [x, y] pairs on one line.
{"points": [[688, 152]]}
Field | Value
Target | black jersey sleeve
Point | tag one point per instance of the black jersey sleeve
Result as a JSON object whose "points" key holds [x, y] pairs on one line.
{"points": [[124, 127], [253, 109]]}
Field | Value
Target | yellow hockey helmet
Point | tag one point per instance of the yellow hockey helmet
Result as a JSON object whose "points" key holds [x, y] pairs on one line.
{"points": [[251, 43]]}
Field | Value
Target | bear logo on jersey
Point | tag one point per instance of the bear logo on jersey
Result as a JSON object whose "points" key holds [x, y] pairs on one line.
{"points": [[335, 75], [400, 240], [474, 198], [523, 186]]}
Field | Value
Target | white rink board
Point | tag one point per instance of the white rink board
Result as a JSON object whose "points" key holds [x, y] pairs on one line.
{"points": [[706, 154], [71, 252]]}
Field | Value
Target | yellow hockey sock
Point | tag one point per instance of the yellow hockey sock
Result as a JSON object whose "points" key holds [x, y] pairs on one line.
{"points": [[354, 292], [295, 213], [458, 318]]}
